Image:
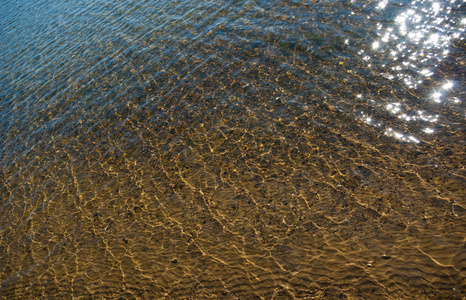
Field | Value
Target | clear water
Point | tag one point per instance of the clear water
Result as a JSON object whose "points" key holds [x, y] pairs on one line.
{"points": [[232, 149]]}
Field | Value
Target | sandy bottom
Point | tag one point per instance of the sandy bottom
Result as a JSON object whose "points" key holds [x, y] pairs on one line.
{"points": [[234, 208]]}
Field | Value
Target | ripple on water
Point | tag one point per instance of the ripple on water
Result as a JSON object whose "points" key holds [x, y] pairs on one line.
{"points": [[241, 149]]}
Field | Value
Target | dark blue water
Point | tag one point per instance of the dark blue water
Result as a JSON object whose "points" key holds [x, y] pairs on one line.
{"points": [[232, 149]]}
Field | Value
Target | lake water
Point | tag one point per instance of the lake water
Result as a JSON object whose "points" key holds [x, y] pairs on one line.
{"points": [[232, 149]]}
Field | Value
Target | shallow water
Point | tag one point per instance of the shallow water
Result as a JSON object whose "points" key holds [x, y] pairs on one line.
{"points": [[232, 149]]}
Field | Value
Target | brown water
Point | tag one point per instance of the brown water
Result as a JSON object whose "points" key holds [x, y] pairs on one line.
{"points": [[232, 150]]}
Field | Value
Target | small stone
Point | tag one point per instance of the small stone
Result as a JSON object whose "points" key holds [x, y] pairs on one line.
{"points": [[386, 256]]}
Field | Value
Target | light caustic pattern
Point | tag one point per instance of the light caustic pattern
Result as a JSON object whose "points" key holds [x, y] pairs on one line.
{"points": [[231, 150]]}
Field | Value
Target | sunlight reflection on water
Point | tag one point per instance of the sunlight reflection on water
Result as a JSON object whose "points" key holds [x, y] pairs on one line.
{"points": [[232, 149], [410, 48]]}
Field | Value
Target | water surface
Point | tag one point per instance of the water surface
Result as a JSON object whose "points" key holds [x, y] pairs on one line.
{"points": [[232, 149]]}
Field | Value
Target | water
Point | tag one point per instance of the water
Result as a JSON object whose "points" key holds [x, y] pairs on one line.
{"points": [[232, 149]]}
